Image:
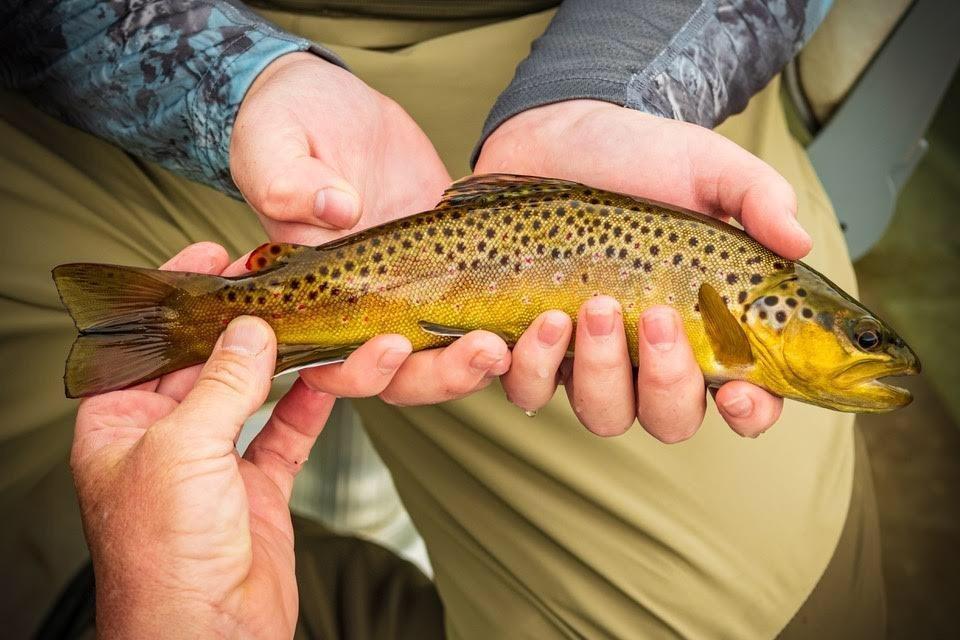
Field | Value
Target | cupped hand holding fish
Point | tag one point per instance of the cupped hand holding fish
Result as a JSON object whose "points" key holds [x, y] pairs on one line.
{"points": [[312, 148], [188, 539], [627, 151]]}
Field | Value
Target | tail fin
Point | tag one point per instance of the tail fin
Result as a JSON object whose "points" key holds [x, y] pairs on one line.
{"points": [[125, 316]]}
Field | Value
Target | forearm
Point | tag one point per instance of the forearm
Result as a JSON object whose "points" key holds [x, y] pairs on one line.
{"points": [[691, 60], [163, 79]]}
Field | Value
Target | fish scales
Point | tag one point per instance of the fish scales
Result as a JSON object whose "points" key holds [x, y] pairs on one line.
{"points": [[498, 251], [499, 265]]}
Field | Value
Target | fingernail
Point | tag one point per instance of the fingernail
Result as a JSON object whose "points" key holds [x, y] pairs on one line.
{"points": [[738, 407], [391, 359], [245, 336], [483, 360], [660, 330], [550, 332], [798, 228], [601, 318], [337, 208]]}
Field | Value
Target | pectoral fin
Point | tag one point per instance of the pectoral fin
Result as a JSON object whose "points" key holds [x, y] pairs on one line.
{"points": [[728, 339]]}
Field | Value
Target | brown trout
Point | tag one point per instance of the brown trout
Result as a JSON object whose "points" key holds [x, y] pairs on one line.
{"points": [[496, 252]]}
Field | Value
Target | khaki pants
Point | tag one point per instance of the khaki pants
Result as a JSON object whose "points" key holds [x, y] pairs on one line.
{"points": [[535, 528]]}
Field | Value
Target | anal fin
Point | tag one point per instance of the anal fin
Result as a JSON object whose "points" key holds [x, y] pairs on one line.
{"points": [[298, 356]]}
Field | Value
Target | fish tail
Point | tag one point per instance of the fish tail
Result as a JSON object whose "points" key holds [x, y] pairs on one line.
{"points": [[125, 316]]}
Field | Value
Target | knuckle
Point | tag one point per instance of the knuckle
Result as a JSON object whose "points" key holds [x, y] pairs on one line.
{"points": [[228, 373], [279, 196], [664, 374]]}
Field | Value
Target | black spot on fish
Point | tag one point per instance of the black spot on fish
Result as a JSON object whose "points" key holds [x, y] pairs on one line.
{"points": [[644, 229], [377, 257], [248, 299], [708, 249], [375, 242], [406, 244], [802, 292], [628, 237], [693, 242], [504, 260], [648, 267], [654, 249], [617, 232], [771, 300], [438, 248], [232, 296], [348, 265], [673, 237], [391, 249], [657, 232], [637, 263], [778, 265], [755, 279], [554, 230], [724, 255], [743, 318], [791, 302], [287, 297], [763, 315], [364, 271], [584, 277], [261, 300], [261, 262], [447, 232], [335, 274], [732, 278], [461, 247], [431, 231], [275, 249], [382, 269], [677, 259], [741, 296], [491, 233], [695, 262], [310, 278], [622, 254], [294, 284], [610, 251], [781, 316], [312, 295], [555, 253]]}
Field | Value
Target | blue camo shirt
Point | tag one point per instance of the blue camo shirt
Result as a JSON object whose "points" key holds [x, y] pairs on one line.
{"points": [[163, 79]]}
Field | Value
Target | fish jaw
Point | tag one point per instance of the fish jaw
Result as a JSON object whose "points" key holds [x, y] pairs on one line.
{"points": [[863, 385]]}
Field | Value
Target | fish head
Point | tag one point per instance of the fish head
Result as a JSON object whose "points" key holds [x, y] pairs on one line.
{"points": [[827, 348]]}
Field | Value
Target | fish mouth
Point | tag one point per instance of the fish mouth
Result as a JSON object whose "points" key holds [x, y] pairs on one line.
{"points": [[866, 381]]}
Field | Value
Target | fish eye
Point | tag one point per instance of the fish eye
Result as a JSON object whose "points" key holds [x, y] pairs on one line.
{"points": [[867, 334]]}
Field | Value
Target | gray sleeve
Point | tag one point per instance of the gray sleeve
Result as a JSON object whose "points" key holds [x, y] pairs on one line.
{"points": [[692, 60]]}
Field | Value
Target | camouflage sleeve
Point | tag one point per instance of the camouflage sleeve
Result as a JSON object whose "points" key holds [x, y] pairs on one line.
{"points": [[693, 60], [162, 79]]}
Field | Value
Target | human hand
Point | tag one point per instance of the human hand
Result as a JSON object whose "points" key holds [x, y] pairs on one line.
{"points": [[317, 152], [188, 539], [622, 150], [307, 127]]}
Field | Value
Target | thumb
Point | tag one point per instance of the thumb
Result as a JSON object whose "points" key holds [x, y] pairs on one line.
{"points": [[233, 383], [307, 190], [272, 165]]}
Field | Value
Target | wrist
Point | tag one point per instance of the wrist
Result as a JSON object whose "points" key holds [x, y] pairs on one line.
{"points": [[535, 129], [146, 610]]}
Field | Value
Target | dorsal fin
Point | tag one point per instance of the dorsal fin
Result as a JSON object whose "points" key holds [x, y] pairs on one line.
{"points": [[730, 343], [487, 187], [271, 254]]}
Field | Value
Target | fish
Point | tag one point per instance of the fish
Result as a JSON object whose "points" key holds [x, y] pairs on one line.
{"points": [[497, 251]]}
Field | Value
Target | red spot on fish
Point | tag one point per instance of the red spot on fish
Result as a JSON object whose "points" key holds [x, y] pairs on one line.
{"points": [[276, 316], [301, 307]]}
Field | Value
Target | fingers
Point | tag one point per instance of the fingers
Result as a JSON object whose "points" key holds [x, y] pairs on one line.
{"points": [[366, 372], [284, 444], [671, 397], [749, 410], [736, 183], [438, 375], [232, 384], [601, 387], [532, 378]]}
